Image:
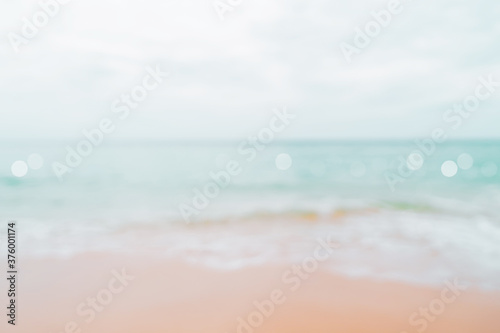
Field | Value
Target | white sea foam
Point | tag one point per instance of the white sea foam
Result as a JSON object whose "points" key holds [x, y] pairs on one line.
{"points": [[419, 248]]}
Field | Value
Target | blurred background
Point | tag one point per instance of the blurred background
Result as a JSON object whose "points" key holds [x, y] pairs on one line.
{"points": [[347, 162]]}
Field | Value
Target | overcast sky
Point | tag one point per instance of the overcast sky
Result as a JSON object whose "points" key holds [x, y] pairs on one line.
{"points": [[227, 75]]}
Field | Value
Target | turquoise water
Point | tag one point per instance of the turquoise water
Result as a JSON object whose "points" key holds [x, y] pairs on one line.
{"points": [[148, 181], [127, 197]]}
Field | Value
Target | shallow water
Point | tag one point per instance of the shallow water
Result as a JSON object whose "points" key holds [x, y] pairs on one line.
{"points": [[127, 196]]}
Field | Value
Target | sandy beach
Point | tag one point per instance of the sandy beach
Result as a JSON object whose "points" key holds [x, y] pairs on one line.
{"points": [[153, 295]]}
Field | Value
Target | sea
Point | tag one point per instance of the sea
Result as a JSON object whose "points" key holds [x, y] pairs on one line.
{"points": [[400, 210]]}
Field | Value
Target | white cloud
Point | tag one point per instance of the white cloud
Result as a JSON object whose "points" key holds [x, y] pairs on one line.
{"points": [[227, 75]]}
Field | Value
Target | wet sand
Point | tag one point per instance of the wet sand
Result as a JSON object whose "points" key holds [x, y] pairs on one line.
{"points": [[169, 296]]}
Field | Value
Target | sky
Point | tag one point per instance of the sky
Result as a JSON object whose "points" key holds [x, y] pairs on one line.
{"points": [[226, 76]]}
